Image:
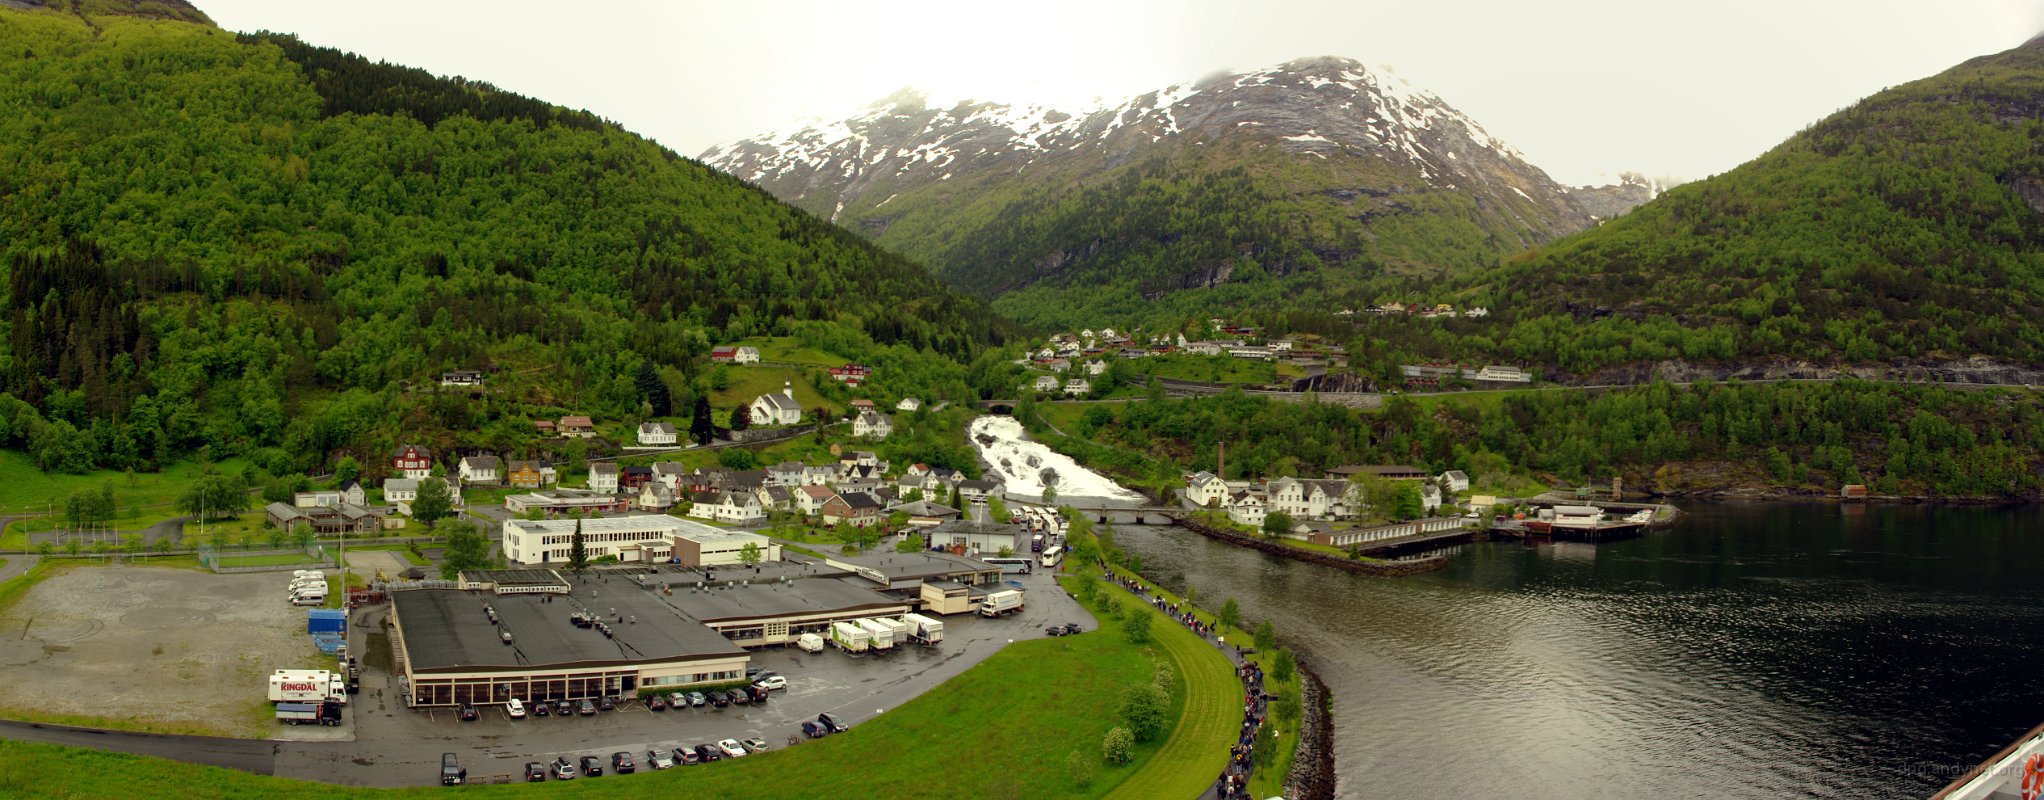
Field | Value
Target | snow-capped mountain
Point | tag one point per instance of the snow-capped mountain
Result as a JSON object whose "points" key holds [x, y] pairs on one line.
{"points": [[1358, 149]]}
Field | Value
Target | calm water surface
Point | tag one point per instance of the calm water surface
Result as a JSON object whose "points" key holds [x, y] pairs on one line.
{"points": [[1752, 651]]}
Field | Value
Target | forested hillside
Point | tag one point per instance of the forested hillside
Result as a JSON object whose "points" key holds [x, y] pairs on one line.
{"points": [[247, 244], [1809, 438], [1910, 225]]}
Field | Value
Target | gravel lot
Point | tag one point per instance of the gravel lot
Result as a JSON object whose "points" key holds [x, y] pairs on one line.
{"points": [[186, 649]]}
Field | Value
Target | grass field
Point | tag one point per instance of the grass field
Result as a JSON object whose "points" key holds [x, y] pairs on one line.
{"points": [[278, 559], [1211, 369], [748, 382], [26, 489], [1024, 712], [785, 348], [1192, 756]]}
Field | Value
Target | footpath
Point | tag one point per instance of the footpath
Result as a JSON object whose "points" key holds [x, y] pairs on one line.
{"points": [[1233, 782]]}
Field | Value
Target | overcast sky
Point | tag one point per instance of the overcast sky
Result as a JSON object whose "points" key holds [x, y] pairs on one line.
{"points": [[1584, 88]]}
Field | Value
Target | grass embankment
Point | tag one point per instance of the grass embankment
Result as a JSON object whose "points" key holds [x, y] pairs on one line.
{"points": [[788, 349], [26, 489], [278, 559], [743, 384], [1021, 714]]}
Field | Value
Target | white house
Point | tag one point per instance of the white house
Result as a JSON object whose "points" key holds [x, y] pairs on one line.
{"points": [[809, 498], [746, 354], [1203, 348], [1077, 387], [482, 469], [1096, 367], [603, 477], [1204, 489], [872, 424], [1503, 374], [739, 507], [1455, 480], [1060, 365], [1308, 499], [1245, 508], [908, 404], [658, 433], [1429, 497], [777, 409], [400, 490], [1046, 383]]}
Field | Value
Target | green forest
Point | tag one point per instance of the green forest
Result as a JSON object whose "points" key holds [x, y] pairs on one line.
{"points": [[222, 245], [1898, 439]]}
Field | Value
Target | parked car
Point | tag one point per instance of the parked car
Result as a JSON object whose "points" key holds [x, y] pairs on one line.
{"points": [[1055, 630], [759, 693], [606, 703], [833, 723], [698, 699], [687, 756], [753, 673], [755, 745], [1071, 628], [564, 708], [655, 703], [592, 766], [564, 770], [468, 712], [587, 708], [742, 698], [771, 683], [763, 675], [719, 700], [731, 748], [515, 708], [814, 729], [678, 700], [707, 753], [542, 708], [621, 763], [659, 759], [535, 772]]}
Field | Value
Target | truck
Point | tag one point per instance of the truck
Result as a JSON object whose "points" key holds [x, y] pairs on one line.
{"points": [[897, 631], [849, 638], [881, 636], [810, 643], [307, 686], [924, 629], [1006, 601], [322, 713]]}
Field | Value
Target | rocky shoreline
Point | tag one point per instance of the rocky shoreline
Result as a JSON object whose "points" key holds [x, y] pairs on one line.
{"points": [[1378, 568], [1312, 776]]}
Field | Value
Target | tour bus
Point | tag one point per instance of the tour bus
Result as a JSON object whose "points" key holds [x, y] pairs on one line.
{"points": [[1053, 554], [1013, 564]]}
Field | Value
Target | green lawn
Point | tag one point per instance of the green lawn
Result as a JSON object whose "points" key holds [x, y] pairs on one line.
{"points": [[747, 383], [1022, 713], [786, 348], [26, 489], [1211, 369]]}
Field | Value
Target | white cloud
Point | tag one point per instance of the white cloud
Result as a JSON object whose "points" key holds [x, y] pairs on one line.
{"points": [[1585, 88]]}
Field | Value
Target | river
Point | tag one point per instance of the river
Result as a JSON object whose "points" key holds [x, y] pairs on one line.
{"points": [[1759, 651]]}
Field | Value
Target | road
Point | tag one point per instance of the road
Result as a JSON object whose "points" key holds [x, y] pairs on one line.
{"points": [[16, 565], [248, 755]]}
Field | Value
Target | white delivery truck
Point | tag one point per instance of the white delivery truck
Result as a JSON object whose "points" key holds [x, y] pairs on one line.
{"points": [[924, 629], [307, 686], [881, 636], [810, 642], [848, 637], [1006, 601], [897, 631], [308, 573]]}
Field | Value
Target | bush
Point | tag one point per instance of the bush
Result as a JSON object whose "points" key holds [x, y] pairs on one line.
{"points": [[1266, 746], [1164, 677], [1288, 707], [1118, 747], [1088, 589], [1283, 665], [1110, 607], [1137, 628], [1266, 636], [1144, 708], [1080, 768]]}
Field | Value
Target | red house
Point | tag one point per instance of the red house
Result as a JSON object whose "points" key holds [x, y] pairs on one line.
{"points": [[723, 355], [850, 373], [635, 477], [413, 461]]}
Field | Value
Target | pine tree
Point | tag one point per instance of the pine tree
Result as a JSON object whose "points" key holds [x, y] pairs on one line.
{"points": [[578, 549], [700, 428], [654, 390], [741, 418]]}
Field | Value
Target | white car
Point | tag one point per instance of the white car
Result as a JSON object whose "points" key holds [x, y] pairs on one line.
{"points": [[731, 748], [659, 759], [515, 709], [772, 683]]}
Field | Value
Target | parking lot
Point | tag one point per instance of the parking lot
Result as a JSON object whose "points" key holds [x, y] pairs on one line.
{"points": [[186, 648], [396, 746]]}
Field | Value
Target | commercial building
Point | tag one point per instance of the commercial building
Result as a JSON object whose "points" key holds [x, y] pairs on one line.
{"points": [[657, 538], [778, 612], [566, 501], [456, 647]]}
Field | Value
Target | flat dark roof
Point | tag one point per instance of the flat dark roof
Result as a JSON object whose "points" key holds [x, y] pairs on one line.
{"points": [[514, 577], [766, 600], [447, 630], [924, 565]]}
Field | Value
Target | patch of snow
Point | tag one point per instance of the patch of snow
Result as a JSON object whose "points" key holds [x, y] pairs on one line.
{"points": [[1515, 190], [1309, 136]]}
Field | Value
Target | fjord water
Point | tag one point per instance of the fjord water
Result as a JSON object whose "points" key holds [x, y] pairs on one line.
{"points": [[1760, 651]]}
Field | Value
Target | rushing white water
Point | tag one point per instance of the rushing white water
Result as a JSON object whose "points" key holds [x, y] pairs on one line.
{"points": [[1026, 467]]}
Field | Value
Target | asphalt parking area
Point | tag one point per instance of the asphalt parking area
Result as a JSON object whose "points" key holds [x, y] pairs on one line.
{"points": [[396, 746]]}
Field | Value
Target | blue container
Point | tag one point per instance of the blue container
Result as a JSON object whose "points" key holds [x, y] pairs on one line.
{"points": [[326, 620]]}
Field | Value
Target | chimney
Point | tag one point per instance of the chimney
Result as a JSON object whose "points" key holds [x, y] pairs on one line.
{"points": [[1221, 463], [788, 388]]}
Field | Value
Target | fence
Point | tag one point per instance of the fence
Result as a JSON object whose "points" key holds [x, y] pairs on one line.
{"points": [[315, 556]]}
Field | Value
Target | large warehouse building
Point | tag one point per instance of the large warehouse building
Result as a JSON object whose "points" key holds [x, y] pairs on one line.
{"points": [[466, 647], [654, 538]]}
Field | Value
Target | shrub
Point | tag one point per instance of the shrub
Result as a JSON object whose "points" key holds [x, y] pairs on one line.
{"points": [[1266, 636], [1110, 607], [1137, 628], [1143, 708], [1080, 768], [1118, 747], [1283, 665], [1164, 676], [1288, 707], [1266, 746]]}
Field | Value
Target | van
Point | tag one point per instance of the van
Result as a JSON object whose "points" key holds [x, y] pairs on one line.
{"points": [[451, 773], [810, 642], [308, 573], [308, 599]]}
